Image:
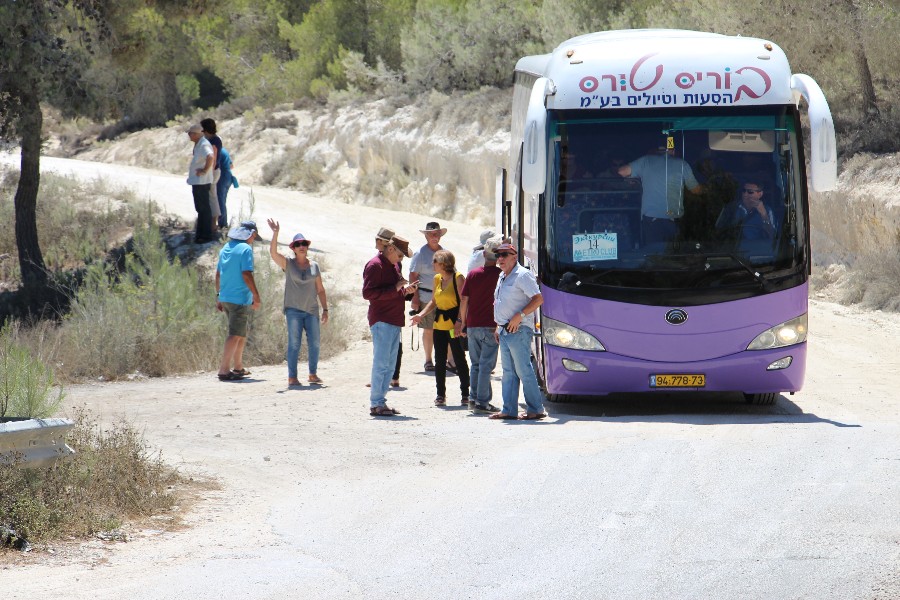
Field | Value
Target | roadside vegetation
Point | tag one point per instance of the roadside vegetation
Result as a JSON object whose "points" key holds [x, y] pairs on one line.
{"points": [[113, 479], [139, 303]]}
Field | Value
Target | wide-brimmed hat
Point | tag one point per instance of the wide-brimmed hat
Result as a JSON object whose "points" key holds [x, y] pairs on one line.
{"points": [[490, 246], [434, 226], [243, 231], [507, 247], [297, 238], [400, 244], [384, 234], [485, 235]]}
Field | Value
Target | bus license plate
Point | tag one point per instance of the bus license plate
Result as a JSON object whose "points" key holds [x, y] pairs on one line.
{"points": [[677, 380]]}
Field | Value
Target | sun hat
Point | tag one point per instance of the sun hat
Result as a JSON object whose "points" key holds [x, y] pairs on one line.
{"points": [[434, 226], [384, 234], [490, 246], [243, 231], [401, 244], [485, 235], [297, 238]]}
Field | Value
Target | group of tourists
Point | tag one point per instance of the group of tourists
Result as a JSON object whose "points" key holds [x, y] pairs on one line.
{"points": [[488, 310]]}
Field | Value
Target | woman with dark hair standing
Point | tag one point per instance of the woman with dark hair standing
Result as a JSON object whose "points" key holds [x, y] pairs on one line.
{"points": [[445, 303]]}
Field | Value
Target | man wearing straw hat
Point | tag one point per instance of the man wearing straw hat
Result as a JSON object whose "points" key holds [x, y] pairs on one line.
{"points": [[386, 291]]}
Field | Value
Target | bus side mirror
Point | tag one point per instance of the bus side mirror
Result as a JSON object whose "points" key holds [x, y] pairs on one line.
{"points": [[534, 159], [823, 155]]}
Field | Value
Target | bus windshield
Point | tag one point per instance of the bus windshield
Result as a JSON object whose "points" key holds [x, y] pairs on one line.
{"points": [[675, 207]]}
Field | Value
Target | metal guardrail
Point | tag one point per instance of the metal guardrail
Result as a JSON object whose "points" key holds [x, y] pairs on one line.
{"points": [[35, 442]]}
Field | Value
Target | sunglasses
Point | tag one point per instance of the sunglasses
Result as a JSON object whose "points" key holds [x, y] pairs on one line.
{"points": [[503, 254], [749, 191], [304, 243]]}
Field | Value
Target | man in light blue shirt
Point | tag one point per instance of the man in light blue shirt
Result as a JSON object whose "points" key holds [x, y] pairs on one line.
{"points": [[236, 296], [663, 179], [516, 297]]}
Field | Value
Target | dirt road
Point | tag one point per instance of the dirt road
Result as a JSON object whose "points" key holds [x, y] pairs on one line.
{"points": [[641, 497]]}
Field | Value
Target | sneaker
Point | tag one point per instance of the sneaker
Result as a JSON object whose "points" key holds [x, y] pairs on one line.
{"points": [[472, 404], [440, 401], [486, 408]]}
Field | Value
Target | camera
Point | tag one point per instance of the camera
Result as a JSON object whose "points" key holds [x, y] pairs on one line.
{"points": [[413, 312]]}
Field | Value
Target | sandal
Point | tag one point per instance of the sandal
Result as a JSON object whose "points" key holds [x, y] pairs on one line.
{"points": [[498, 416], [440, 401], [429, 366], [241, 372], [383, 411], [531, 416], [230, 376]]}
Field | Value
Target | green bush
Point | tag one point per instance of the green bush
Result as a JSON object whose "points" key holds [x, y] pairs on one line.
{"points": [[27, 386]]}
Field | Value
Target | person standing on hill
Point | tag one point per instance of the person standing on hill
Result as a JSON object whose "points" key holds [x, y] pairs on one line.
{"points": [[226, 180], [236, 296], [303, 293], [209, 131], [200, 177]]}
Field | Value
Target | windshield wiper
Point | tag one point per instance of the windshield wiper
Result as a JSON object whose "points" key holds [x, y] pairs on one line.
{"points": [[763, 282]]}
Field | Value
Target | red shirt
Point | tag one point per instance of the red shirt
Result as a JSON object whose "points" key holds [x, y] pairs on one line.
{"points": [[479, 287], [386, 304]]}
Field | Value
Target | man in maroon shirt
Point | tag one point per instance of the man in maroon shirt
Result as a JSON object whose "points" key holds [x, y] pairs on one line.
{"points": [[385, 290], [476, 314]]}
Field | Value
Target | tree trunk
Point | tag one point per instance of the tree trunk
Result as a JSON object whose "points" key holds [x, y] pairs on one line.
{"points": [[869, 103], [31, 261]]}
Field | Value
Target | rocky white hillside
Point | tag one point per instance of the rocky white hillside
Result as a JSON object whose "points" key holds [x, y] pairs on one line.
{"points": [[439, 155]]}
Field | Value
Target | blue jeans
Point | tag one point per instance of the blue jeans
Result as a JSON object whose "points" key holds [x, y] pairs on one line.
{"points": [[297, 322], [483, 350], [385, 341], [222, 187], [515, 348]]}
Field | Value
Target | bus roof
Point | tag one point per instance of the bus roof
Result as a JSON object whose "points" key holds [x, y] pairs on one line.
{"points": [[647, 68]]}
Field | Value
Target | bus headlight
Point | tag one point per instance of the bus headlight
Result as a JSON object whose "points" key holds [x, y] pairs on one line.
{"points": [[557, 333], [786, 334]]}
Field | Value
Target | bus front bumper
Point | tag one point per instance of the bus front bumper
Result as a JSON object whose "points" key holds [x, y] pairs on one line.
{"points": [[606, 373]]}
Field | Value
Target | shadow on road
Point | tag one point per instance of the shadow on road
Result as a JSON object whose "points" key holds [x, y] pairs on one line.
{"points": [[700, 408]]}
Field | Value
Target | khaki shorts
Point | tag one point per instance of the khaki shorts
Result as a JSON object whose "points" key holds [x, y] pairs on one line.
{"points": [[427, 321], [238, 318]]}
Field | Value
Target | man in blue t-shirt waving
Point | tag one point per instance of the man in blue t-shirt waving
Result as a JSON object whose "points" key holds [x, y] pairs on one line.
{"points": [[236, 296]]}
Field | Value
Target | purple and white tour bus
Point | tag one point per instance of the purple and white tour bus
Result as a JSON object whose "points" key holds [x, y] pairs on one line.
{"points": [[717, 301]]}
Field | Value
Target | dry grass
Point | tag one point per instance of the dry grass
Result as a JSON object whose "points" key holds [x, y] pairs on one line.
{"points": [[113, 477]]}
